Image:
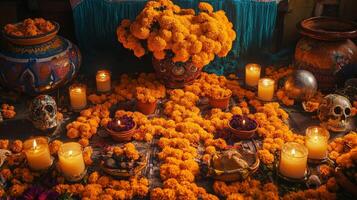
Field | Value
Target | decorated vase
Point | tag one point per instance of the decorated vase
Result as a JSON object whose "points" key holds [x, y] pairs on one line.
{"points": [[38, 68], [326, 48], [175, 74]]}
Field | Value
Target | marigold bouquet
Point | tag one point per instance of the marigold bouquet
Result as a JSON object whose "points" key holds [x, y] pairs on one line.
{"points": [[169, 31]]}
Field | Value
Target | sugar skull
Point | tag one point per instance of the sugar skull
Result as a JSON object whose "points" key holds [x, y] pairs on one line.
{"points": [[43, 112], [334, 112]]}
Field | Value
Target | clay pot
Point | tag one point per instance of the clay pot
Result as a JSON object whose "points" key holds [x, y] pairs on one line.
{"points": [[33, 40], [39, 64], [219, 103], [146, 108], [326, 48], [175, 75], [121, 136], [241, 134]]}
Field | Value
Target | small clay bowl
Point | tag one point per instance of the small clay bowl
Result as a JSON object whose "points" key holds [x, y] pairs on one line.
{"points": [[243, 134], [121, 136], [146, 108], [33, 40], [222, 103]]}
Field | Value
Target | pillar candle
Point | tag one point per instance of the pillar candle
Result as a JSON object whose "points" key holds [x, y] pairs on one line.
{"points": [[252, 74], [266, 89], [317, 142], [37, 153], [293, 159], [103, 80], [78, 96], [71, 159]]}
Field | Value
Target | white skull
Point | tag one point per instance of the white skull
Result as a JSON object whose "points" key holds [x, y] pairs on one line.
{"points": [[334, 112], [43, 112]]}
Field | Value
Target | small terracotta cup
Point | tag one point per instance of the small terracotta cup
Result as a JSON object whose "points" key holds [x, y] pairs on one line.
{"points": [[122, 136], [146, 108], [219, 103], [241, 134]]}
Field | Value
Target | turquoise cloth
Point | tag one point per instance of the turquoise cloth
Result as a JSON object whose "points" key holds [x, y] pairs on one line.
{"points": [[96, 22]]}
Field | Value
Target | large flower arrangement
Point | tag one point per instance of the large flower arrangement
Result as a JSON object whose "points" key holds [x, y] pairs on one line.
{"points": [[169, 31]]}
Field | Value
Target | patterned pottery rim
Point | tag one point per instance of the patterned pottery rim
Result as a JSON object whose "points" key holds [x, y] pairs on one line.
{"points": [[327, 28], [55, 30]]}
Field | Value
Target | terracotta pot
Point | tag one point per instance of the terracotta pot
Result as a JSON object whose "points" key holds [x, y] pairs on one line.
{"points": [[326, 48], [121, 136], [146, 108], [240, 134], [175, 75], [219, 103], [40, 67]]}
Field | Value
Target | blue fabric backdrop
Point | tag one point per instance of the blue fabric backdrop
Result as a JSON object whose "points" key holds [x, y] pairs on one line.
{"points": [[96, 22]]}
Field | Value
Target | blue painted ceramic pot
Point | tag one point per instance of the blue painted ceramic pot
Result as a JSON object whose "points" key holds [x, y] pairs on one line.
{"points": [[40, 68]]}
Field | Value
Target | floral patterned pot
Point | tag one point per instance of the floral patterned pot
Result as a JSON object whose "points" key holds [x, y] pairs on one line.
{"points": [[325, 48], [40, 68], [175, 75]]}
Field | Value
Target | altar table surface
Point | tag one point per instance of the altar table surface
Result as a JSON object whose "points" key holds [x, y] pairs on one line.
{"points": [[21, 128]]}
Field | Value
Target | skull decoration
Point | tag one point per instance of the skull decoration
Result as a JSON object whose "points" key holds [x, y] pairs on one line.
{"points": [[334, 112], [43, 112], [175, 75]]}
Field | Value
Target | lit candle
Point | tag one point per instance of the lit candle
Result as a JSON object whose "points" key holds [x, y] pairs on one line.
{"points": [[78, 96], [103, 80], [266, 89], [71, 159], [317, 142], [37, 153], [293, 160], [252, 74]]}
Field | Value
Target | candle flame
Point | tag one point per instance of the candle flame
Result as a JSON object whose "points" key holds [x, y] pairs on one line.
{"points": [[243, 122], [119, 122], [70, 153], [34, 144], [293, 152]]}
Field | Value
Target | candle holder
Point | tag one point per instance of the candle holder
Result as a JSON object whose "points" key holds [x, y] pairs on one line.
{"points": [[78, 97], [242, 127], [103, 81], [252, 75], [317, 143], [75, 178], [266, 87], [70, 161], [37, 154], [293, 180], [121, 132]]}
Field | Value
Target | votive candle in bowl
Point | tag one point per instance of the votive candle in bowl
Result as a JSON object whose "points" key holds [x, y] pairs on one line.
{"points": [[71, 160], [316, 141], [252, 74], [37, 153], [293, 160], [266, 89], [103, 80], [78, 96]]}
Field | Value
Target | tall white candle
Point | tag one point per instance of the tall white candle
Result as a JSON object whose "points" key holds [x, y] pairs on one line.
{"points": [[71, 159], [266, 89], [37, 153], [293, 159], [317, 142], [252, 74]]}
